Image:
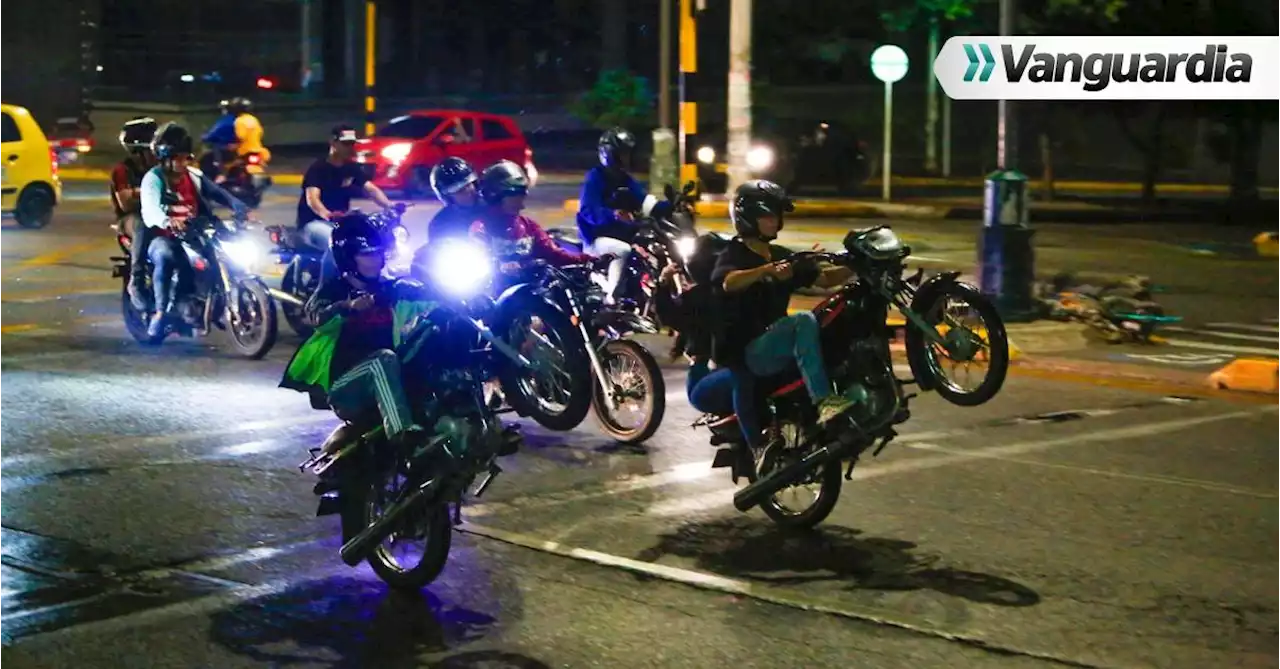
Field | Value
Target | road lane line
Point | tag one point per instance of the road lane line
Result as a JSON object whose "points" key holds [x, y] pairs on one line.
{"points": [[53, 257], [1248, 327], [37, 296], [1246, 350], [1211, 486], [758, 591], [1220, 333], [718, 498]]}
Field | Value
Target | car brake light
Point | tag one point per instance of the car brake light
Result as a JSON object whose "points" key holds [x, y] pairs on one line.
{"points": [[53, 160]]}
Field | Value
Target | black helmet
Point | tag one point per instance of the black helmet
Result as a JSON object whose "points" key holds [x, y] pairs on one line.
{"points": [[239, 105], [136, 135], [450, 176], [501, 179], [754, 199], [616, 146], [354, 234], [172, 140]]}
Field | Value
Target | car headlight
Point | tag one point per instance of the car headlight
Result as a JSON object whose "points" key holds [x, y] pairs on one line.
{"points": [[396, 153], [460, 268], [245, 253], [685, 246], [760, 158], [706, 155]]}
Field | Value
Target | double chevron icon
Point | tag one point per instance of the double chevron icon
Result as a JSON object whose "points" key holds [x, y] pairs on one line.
{"points": [[988, 62]]}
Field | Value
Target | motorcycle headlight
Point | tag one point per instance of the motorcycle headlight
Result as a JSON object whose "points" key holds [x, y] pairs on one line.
{"points": [[760, 158], [685, 246], [460, 268], [245, 253]]}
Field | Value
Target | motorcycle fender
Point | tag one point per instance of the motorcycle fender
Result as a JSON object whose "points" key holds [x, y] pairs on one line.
{"points": [[625, 322], [515, 293]]}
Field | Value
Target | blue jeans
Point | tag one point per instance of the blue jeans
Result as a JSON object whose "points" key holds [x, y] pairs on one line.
{"points": [[317, 235], [793, 340], [710, 391], [167, 256]]}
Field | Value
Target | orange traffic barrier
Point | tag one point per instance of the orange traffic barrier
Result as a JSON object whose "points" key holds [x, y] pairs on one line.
{"points": [[1248, 374]]}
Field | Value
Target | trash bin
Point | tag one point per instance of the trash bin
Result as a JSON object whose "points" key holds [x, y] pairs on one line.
{"points": [[1006, 259]]}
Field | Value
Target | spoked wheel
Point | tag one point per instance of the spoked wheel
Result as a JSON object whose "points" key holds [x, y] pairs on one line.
{"points": [[638, 390], [414, 555], [301, 278], [557, 396], [254, 330], [968, 367], [810, 501]]}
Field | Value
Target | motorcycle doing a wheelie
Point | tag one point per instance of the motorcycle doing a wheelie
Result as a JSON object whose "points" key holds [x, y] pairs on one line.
{"points": [[301, 277], [804, 459], [398, 506], [557, 317], [225, 293]]}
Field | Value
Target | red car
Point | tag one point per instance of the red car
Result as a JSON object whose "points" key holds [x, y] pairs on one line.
{"points": [[400, 155]]}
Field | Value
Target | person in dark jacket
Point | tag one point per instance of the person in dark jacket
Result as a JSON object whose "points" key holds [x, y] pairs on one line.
{"points": [[350, 361], [454, 183], [126, 189]]}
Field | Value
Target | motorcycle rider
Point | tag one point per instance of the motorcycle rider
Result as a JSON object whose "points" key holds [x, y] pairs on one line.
{"points": [[350, 361], [126, 181], [609, 197], [248, 129], [221, 138], [503, 187], [454, 182], [755, 335], [172, 193], [327, 189]]}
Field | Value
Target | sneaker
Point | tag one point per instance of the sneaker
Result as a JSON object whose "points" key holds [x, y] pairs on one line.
{"points": [[835, 405]]}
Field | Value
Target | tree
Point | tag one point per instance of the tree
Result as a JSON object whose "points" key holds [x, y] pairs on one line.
{"points": [[618, 98], [932, 13]]}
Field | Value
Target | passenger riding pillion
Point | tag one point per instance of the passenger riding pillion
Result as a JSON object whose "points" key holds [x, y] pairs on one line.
{"points": [[609, 198], [327, 189], [126, 185], [755, 279], [350, 363], [172, 194], [503, 187]]}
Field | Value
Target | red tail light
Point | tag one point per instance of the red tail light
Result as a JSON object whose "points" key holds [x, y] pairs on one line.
{"points": [[53, 161], [254, 159], [275, 237], [200, 265]]}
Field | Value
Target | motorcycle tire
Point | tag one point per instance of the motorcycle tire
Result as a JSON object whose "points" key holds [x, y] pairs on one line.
{"points": [[256, 347], [293, 314], [656, 393], [924, 363], [135, 321], [357, 514], [576, 360], [830, 480]]}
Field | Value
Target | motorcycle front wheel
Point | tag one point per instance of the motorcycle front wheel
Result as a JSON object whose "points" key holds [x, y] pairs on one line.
{"points": [[636, 384], [981, 345], [135, 321], [301, 278], [255, 329], [558, 397]]}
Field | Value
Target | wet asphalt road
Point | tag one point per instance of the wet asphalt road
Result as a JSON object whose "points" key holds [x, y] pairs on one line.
{"points": [[152, 516]]}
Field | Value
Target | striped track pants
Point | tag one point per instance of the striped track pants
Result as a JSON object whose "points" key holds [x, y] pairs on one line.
{"points": [[375, 382]]}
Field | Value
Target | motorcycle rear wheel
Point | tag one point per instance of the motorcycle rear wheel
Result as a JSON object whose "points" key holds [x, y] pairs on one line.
{"points": [[655, 392], [829, 479], [300, 279], [360, 508], [135, 321]]}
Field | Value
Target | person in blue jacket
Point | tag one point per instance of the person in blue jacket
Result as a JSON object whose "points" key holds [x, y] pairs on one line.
{"points": [[610, 199], [220, 137]]}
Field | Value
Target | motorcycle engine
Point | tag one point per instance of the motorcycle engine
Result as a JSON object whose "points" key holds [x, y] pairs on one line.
{"points": [[870, 366]]}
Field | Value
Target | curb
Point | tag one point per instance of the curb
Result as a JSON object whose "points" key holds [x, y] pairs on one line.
{"points": [[822, 209], [1252, 375]]}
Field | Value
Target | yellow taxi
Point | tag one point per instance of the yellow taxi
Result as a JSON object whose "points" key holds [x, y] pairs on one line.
{"points": [[29, 180]]}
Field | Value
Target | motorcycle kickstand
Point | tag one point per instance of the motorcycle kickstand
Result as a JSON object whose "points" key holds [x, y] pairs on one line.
{"points": [[494, 470]]}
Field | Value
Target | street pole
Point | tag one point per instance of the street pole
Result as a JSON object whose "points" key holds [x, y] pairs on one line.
{"points": [[664, 161], [946, 136], [887, 170], [1006, 125], [370, 64], [931, 101], [739, 102], [688, 110]]}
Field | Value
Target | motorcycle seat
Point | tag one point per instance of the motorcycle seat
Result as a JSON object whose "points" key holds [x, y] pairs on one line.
{"points": [[777, 385]]}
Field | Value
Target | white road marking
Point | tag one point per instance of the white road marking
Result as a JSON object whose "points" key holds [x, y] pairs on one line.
{"points": [[1224, 335], [1248, 327], [1245, 350]]}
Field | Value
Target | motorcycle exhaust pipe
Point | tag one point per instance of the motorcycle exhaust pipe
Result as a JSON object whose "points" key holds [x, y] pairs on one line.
{"points": [[282, 296], [756, 493], [358, 548]]}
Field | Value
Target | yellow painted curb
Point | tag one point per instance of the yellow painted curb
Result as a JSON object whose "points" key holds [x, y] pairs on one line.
{"points": [[1267, 245], [94, 173], [821, 209], [1253, 375]]}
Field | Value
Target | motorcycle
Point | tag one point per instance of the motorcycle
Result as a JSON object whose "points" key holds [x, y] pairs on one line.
{"points": [[243, 176], [855, 346], [226, 293], [388, 498], [557, 316], [658, 244], [301, 276]]}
